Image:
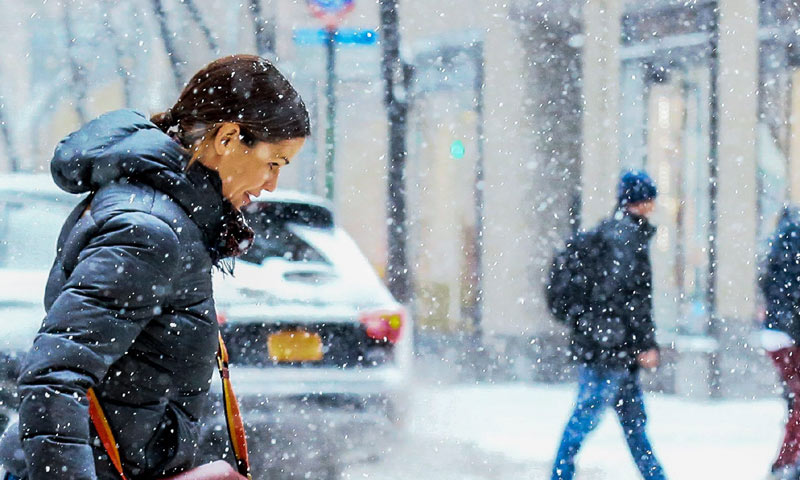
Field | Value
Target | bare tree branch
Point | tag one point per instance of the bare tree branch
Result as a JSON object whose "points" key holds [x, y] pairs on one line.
{"points": [[119, 54], [78, 77], [178, 64], [202, 25], [11, 152], [265, 38]]}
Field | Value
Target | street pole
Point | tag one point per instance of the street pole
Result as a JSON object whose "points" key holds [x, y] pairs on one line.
{"points": [[330, 100], [478, 189], [713, 174], [395, 76], [331, 13]]}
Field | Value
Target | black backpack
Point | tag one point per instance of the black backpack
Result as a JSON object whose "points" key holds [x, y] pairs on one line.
{"points": [[571, 277]]}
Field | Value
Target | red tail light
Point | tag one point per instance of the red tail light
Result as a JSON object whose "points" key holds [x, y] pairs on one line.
{"points": [[384, 325], [221, 318]]}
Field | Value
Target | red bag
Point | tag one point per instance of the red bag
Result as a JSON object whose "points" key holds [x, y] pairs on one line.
{"points": [[218, 470]]}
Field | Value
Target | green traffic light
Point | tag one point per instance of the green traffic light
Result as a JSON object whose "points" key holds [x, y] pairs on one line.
{"points": [[457, 149]]}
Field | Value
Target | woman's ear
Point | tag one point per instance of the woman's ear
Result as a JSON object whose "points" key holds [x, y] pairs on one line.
{"points": [[227, 138]]}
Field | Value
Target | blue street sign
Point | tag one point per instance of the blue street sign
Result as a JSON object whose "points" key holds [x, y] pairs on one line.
{"points": [[319, 36]]}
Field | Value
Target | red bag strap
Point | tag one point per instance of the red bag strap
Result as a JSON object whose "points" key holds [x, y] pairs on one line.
{"points": [[232, 417], [104, 432]]}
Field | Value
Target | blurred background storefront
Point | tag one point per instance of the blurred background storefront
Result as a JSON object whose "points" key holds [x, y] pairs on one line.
{"points": [[521, 117], [707, 104]]}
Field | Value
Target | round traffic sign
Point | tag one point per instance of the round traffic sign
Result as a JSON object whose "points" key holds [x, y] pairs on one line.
{"points": [[331, 12]]}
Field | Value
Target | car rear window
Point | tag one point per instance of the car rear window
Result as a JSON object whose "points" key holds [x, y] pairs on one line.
{"points": [[287, 212], [272, 223]]}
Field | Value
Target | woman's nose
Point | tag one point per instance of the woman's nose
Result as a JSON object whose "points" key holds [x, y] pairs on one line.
{"points": [[271, 184]]}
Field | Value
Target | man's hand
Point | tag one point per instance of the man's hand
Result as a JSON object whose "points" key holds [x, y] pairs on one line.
{"points": [[649, 359]]}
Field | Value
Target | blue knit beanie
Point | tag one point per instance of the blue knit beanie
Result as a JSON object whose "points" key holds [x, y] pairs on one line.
{"points": [[635, 186]]}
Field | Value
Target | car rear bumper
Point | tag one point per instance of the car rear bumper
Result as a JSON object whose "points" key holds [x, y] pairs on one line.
{"points": [[277, 382]]}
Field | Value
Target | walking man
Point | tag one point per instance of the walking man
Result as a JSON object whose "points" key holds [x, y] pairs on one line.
{"points": [[613, 333]]}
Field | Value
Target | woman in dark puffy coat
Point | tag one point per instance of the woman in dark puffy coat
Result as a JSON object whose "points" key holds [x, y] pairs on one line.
{"points": [[129, 299]]}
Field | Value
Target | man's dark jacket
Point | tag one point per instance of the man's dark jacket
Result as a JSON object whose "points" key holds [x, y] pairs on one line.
{"points": [[129, 310], [780, 281], [617, 322]]}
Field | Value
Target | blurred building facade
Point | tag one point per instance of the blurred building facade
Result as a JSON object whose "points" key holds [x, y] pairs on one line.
{"points": [[552, 98], [466, 91]]}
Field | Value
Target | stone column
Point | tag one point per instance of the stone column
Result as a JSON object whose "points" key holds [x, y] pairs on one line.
{"points": [[553, 106], [506, 242], [601, 79], [736, 195]]}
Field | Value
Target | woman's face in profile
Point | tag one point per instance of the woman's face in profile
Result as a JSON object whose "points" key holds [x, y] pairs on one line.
{"points": [[247, 170]]}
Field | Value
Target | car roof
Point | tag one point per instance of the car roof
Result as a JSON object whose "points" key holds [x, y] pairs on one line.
{"points": [[294, 196], [293, 207]]}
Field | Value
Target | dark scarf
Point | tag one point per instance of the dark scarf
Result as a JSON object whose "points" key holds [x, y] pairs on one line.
{"points": [[227, 234], [234, 239]]}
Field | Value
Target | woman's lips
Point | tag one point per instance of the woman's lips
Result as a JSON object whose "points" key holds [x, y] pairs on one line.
{"points": [[248, 198]]}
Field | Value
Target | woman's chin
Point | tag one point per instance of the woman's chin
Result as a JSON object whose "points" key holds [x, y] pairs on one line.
{"points": [[243, 202]]}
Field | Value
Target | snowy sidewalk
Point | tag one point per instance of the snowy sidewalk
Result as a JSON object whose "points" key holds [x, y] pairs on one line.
{"points": [[695, 439]]}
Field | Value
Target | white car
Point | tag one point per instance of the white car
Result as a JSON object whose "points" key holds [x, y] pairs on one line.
{"points": [[320, 351], [304, 313]]}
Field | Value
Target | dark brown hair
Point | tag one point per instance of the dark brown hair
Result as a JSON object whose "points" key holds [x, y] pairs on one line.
{"points": [[243, 89]]}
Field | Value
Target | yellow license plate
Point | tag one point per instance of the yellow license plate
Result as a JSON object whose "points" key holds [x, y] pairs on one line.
{"points": [[294, 346]]}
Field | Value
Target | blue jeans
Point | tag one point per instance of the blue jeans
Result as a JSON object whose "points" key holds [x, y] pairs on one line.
{"points": [[598, 388], [10, 477]]}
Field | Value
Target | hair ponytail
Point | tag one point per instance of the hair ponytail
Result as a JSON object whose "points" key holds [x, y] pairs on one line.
{"points": [[164, 120]]}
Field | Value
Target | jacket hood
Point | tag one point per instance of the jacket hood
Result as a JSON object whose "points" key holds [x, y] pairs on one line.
{"points": [[119, 144], [124, 144]]}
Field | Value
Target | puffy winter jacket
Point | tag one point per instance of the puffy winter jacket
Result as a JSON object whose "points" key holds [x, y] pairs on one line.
{"points": [[618, 323], [780, 281], [129, 309]]}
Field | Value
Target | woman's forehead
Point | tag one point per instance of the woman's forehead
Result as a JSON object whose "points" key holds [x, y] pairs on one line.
{"points": [[289, 146], [280, 149]]}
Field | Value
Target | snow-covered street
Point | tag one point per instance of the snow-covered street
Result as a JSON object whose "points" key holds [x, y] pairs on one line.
{"points": [[511, 432]]}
